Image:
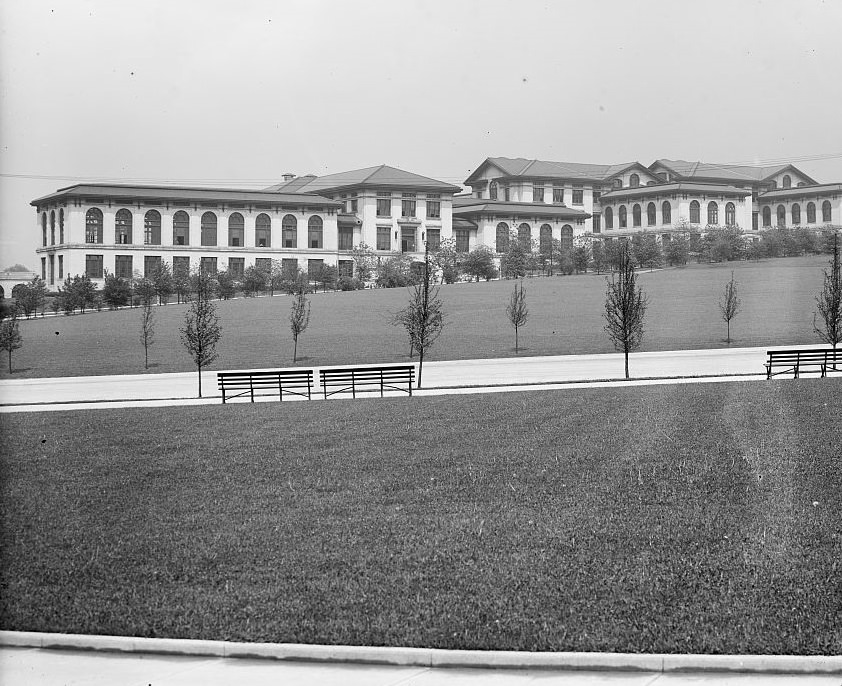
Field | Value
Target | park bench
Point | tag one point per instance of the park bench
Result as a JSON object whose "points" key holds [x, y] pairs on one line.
{"points": [[796, 360], [345, 379], [266, 382]]}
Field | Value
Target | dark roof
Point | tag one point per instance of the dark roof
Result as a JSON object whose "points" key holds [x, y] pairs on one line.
{"points": [[725, 172], [819, 189], [461, 223], [382, 176], [672, 189], [102, 190], [522, 167], [481, 206]]}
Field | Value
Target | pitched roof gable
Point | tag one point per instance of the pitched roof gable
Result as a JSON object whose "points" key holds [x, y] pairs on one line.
{"points": [[524, 168], [729, 172], [381, 176]]}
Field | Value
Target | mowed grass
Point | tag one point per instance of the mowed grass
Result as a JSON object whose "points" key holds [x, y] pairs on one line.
{"points": [[566, 317], [699, 518]]}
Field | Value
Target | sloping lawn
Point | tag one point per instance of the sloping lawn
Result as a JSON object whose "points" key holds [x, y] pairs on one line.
{"points": [[703, 518], [346, 328]]}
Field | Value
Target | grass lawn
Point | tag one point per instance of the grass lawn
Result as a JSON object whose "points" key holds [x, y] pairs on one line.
{"points": [[597, 519], [348, 328]]}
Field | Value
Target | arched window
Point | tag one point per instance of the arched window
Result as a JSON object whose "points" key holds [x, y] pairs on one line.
{"points": [[315, 232], [730, 214], [123, 227], [827, 212], [263, 231], [289, 231], [61, 226], [787, 182], [781, 215], [502, 237], [152, 228], [695, 212], [236, 230], [492, 190], [208, 229], [636, 215], [713, 213], [609, 218], [666, 212], [524, 236], [651, 214], [796, 213], [811, 213], [546, 239], [622, 217], [44, 228], [767, 216], [93, 225], [52, 227], [634, 181], [566, 238], [181, 228]]}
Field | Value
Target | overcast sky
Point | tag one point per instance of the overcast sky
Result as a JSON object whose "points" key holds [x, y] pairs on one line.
{"points": [[223, 93]]}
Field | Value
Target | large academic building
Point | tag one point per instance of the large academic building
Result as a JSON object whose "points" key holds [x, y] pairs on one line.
{"points": [[308, 221]]}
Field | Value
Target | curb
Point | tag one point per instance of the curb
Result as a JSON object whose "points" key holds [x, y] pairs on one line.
{"points": [[432, 657]]}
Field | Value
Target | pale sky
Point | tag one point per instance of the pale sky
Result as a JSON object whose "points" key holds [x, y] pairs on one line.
{"points": [[235, 94]]}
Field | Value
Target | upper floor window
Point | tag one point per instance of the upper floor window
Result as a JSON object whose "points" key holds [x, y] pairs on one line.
{"points": [[558, 194], [636, 215], [123, 227], [289, 231], [609, 218], [622, 217], [502, 242], [666, 212], [236, 230], [618, 183], [384, 204], [713, 213], [538, 193], [315, 232], [827, 212], [52, 227], [263, 231], [44, 229], [433, 206], [787, 182], [773, 184], [506, 193], [811, 213], [578, 196], [730, 214], [492, 190], [93, 226], [796, 213], [353, 204], [407, 204], [695, 212], [651, 214], [209, 229], [152, 228], [634, 181], [61, 226], [181, 228]]}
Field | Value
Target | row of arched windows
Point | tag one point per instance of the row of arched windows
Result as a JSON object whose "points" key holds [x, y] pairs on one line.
{"points": [[780, 214], [666, 214], [208, 229], [524, 237], [52, 227]]}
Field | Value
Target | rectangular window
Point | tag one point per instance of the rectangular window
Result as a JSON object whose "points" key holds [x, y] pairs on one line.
{"points": [[289, 267], [151, 263], [754, 221], [538, 194], [408, 205], [433, 238], [236, 266], [314, 267], [578, 196], [61, 266], [44, 268], [558, 194], [263, 264], [384, 204], [463, 239], [352, 206], [52, 269], [384, 238], [93, 266], [408, 239], [597, 223], [346, 238], [346, 268], [181, 265], [596, 195], [433, 209], [506, 193], [123, 266], [208, 265]]}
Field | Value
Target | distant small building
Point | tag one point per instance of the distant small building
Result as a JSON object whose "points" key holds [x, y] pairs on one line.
{"points": [[8, 280]]}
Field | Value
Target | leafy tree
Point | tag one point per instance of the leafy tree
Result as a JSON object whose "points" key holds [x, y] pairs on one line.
{"points": [[677, 250], [181, 283], [226, 286], [729, 306], [424, 319], [83, 292], [30, 296], [625, 308], [647, 250], [201, 331], [295, 281], [145, 290], [395, 271], [162, 280], [723, 243], [614, 250], [254, 281], [116, 291], [514, 262], [147, 330], [517, 311], [754, 250], [446, 258], [299, 318], [581, 256], [364, 261], [479, 263], [326, 275], [829, 301], [598, 257], [10, 338]]}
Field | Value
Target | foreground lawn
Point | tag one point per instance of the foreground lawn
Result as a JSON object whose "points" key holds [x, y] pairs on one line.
{"points": [[347, 328], [600, 519]]}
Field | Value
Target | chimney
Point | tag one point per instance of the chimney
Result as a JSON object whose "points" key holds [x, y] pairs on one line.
{"points": [[288, 176]]}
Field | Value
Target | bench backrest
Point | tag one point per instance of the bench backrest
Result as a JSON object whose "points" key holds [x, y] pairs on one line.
{"points": [[265, 376], [368, 373], [817, 354]]}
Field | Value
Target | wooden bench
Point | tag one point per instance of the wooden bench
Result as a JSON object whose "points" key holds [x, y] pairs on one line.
{"points": [[282, 381], [796, 360], [345, 379]]}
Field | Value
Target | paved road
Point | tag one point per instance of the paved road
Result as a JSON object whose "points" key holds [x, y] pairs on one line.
{"points": [[522, 371], [27, 666]]}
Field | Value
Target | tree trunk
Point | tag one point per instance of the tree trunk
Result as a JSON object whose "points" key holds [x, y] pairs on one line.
{"points": [[294, 348], [729, 332], [420, 364], [200, 381], [627, 363], [10, 361], [516, 343]]}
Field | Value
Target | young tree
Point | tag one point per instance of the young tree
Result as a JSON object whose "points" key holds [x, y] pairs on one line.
{"points": [[514, 262], [115, 292], [729, 306], [181, 283], [364, 261], [647, 250], [147, 330], [581, 256], [446, 259], [479, 263], [10, 338], [425, 315], [598, 257], [395, 271], [625, 307], [517, 311], [326, 275], [162, 280], [225, 285], [254, 281], [829, 301], [676, 250], [201, 331], [299, 318]]}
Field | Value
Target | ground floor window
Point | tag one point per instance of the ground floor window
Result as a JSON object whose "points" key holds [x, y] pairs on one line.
{"points": [[346, 268], [237, 266], [289, 267], [44, 268], [93, 266], [151, 265], [384, 238], [596, 223], [52, 269], [181, 265], [463, 239], [314, 267], [208, 265], [61, 266], [433, 238], [123, 266], [263, 264]]}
